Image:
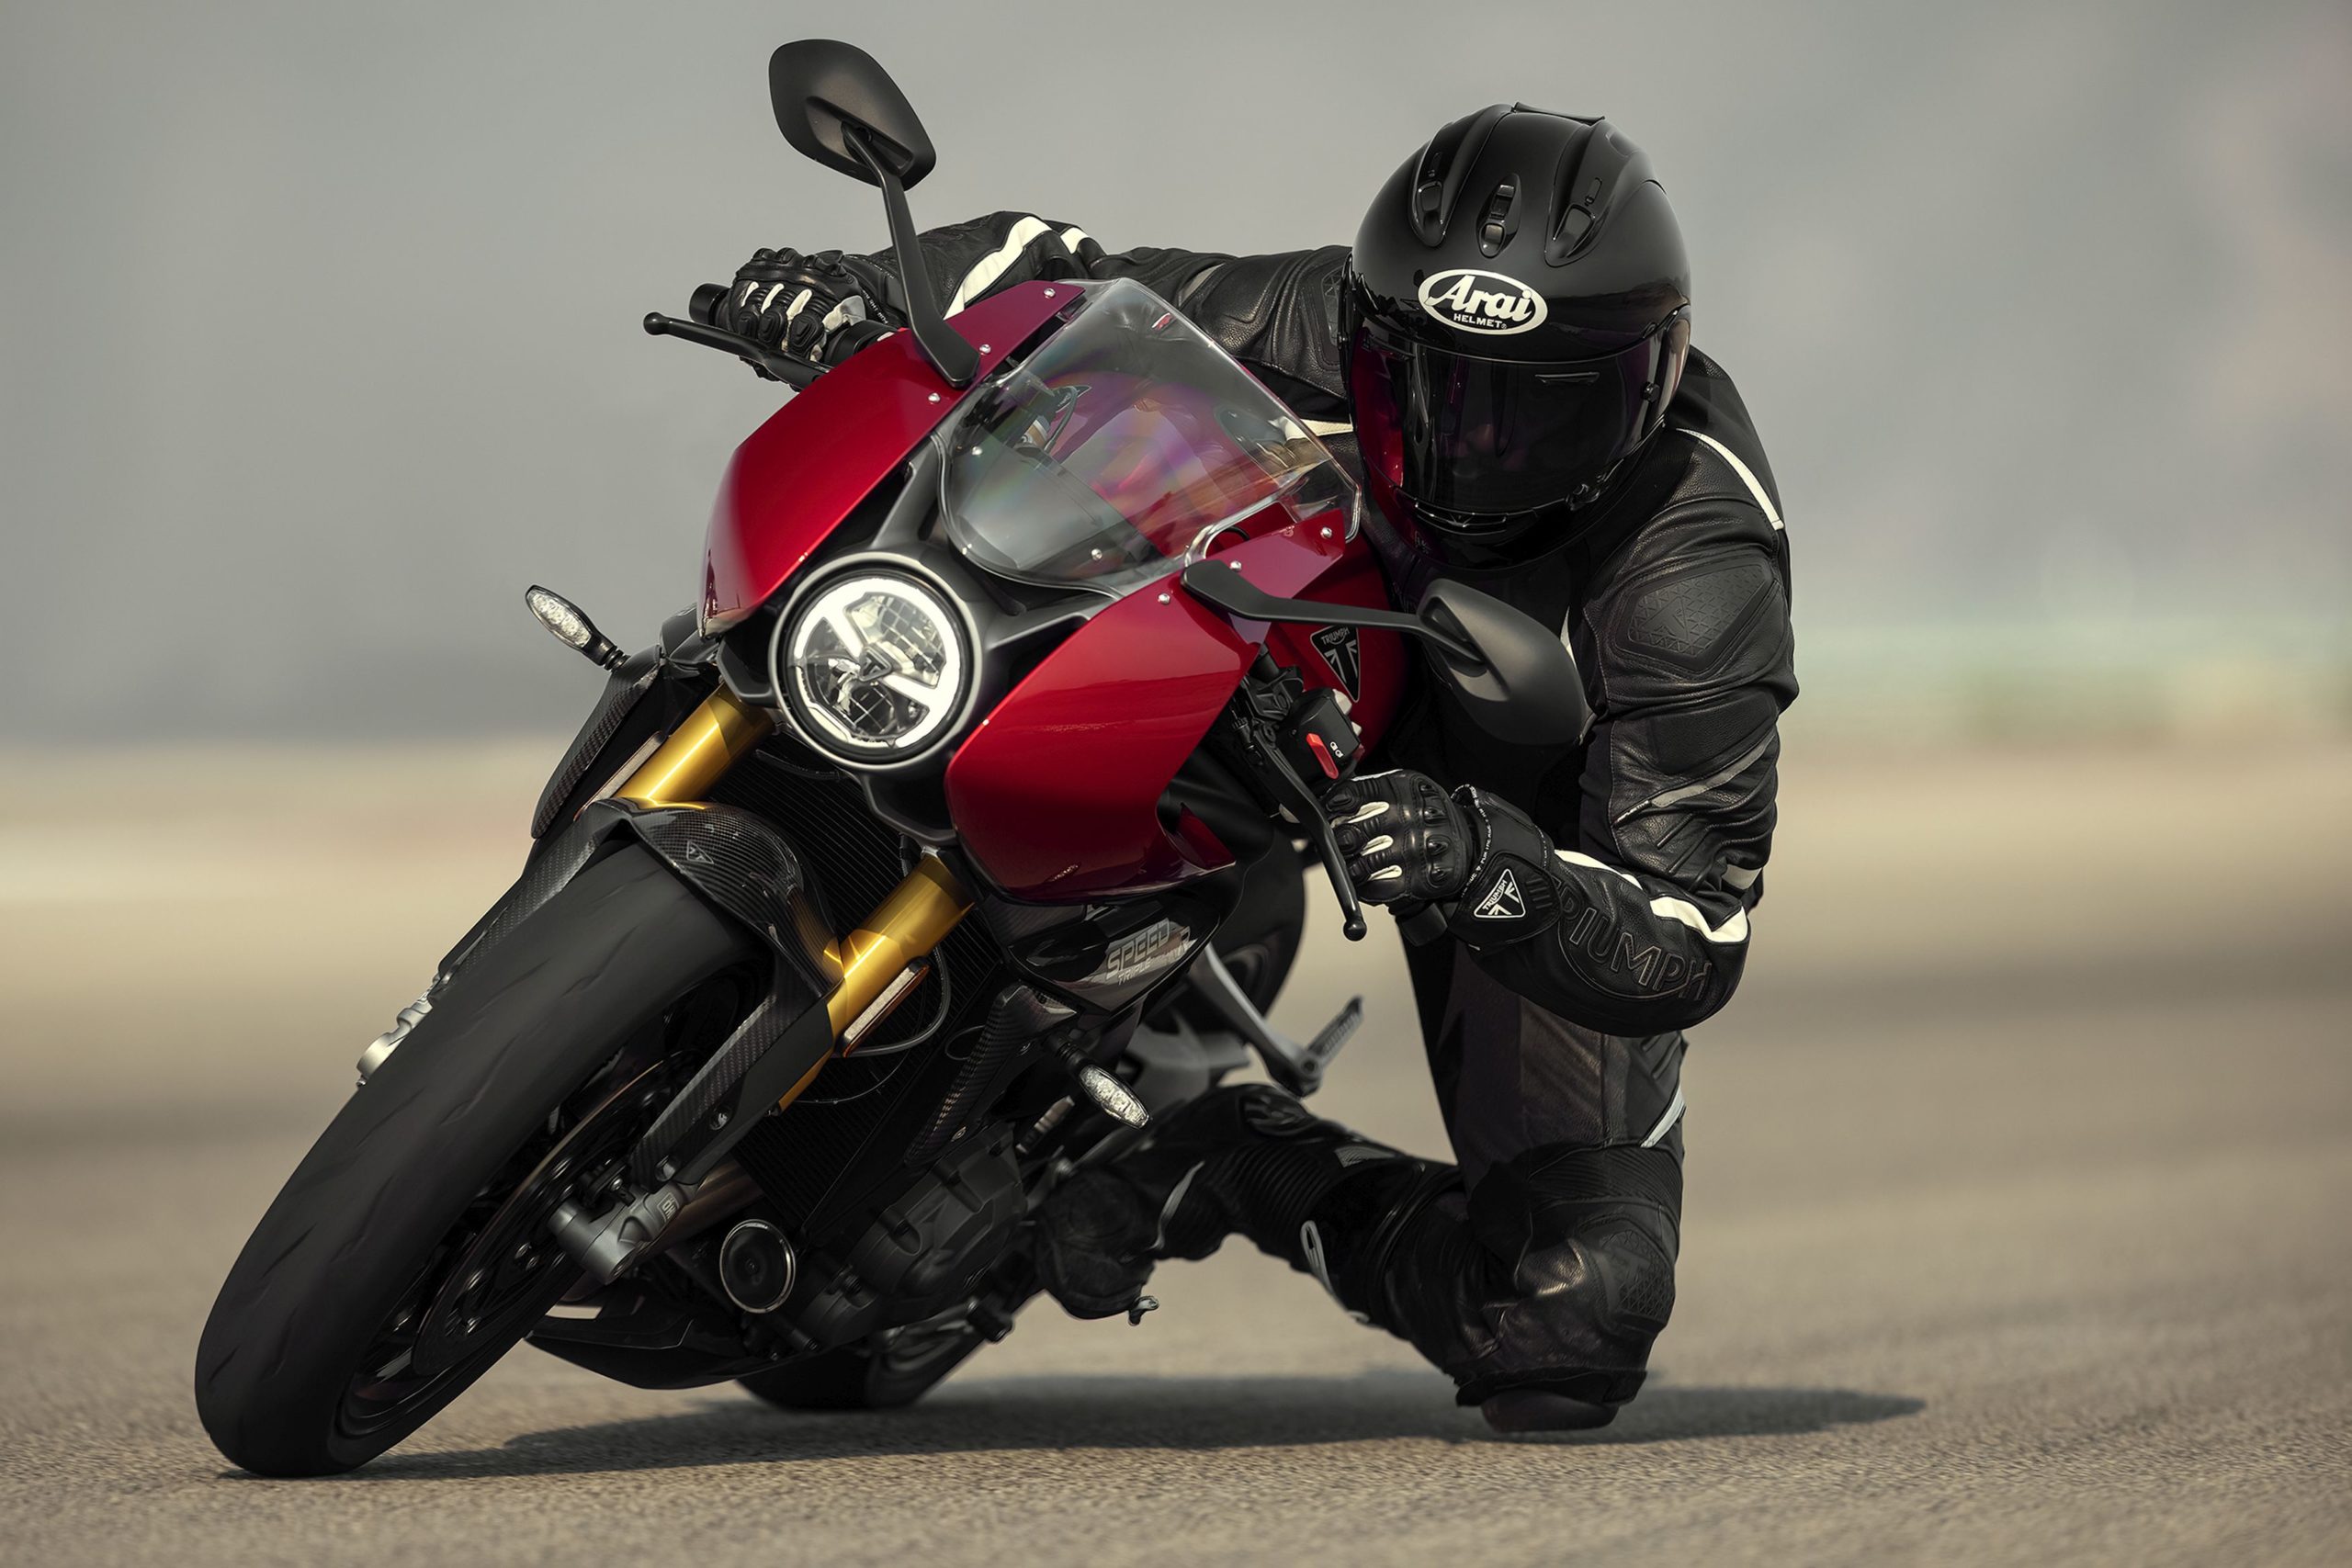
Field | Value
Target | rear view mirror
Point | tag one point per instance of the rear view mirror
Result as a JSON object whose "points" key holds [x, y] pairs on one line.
{"points": [[1524, 686], [1513, 675], [820, 86]]}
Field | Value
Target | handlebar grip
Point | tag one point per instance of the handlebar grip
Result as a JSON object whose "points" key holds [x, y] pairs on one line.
{"points": [[704, 305], [1422, 924]]}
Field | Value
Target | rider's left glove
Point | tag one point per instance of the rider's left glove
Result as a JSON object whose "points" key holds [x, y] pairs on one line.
{"points": [[783, 300]]}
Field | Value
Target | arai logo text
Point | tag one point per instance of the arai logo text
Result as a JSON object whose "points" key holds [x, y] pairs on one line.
{"points": [[1482, 301]]}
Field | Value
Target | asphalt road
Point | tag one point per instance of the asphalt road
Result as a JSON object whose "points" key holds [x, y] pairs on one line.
{"points": [[2018, 1229]]}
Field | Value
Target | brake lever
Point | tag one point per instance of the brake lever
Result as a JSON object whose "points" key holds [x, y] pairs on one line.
{"points": [[794, 373], [1307, 807], [1291, 791]]}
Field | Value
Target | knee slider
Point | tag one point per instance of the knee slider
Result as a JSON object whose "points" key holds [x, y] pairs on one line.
{"points": [[1632, 1278]]}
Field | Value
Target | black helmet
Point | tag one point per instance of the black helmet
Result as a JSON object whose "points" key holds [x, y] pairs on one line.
{"points": [[1516, 319]]}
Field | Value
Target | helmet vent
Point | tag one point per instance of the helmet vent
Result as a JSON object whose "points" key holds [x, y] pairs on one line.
{"points": [[1446, 163], [1500, 221], [1589, 178]]}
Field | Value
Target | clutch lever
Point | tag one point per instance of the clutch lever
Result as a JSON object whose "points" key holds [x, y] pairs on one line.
{"points": [[794, 373]]}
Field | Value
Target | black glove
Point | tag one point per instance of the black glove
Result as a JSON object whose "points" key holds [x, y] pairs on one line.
{"points": [[785, 300], [1404, 838], [1410, 842]]}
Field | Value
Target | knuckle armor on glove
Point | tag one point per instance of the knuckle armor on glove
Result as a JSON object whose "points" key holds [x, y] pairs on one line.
{"points": [[1403, 838], [783, 300]]}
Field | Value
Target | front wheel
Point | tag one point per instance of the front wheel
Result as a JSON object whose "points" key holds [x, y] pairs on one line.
{"points": [[410, 1249]]}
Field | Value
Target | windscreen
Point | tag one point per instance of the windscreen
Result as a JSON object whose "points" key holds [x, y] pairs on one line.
{"points": [[1121, 448]]}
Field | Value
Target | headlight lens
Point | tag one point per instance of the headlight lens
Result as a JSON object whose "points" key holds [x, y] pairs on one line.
{"points": [[874, 666]]}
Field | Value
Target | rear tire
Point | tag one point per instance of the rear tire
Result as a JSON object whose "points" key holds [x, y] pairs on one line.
{"points": [[292, 1375]]}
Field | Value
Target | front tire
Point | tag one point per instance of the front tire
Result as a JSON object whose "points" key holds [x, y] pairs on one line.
{"points": [[301, 1370]]}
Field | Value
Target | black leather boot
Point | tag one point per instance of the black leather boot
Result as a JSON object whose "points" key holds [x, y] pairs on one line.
{"points": [[1250, 1160]]}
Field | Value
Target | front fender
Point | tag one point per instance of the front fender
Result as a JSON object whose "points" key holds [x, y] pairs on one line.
{"points": [[746, 869], [740, 864], [737, 861]]}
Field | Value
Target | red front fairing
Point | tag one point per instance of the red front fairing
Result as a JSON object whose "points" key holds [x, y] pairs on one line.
{"points": [[791, 483], [1058, 795]]}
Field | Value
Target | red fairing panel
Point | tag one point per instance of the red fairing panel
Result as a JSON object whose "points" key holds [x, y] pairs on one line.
{"points": [[1380, 655], [799, 474], [1056, 794]]}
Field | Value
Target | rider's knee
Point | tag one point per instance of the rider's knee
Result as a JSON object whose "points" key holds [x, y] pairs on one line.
{"points": [[1587, 1240]]}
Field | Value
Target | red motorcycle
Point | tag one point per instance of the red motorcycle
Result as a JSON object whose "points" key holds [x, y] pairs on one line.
{"points": [[1027, 642]]}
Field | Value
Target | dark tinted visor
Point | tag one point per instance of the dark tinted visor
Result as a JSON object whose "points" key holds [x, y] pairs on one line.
{"points": [[1481, 436]]}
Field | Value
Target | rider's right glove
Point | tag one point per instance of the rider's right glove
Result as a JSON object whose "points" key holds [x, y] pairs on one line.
{"points": [[1481, 861], [801, 304]]}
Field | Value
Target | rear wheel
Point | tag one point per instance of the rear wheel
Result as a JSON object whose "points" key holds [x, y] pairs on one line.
{"points": [[409, 1248]]}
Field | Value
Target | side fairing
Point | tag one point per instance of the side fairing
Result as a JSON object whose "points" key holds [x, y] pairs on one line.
{"points": [[1057, 796]]}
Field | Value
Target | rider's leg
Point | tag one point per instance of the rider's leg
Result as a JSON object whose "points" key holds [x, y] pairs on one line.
{"points": [[1539, 1289]]}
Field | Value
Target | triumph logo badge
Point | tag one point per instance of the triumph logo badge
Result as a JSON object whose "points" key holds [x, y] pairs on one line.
{"points": [[1484, 302], [1502, 902], [1341, 650]]}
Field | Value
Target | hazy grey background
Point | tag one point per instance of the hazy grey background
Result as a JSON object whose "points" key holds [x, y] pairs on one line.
{"points": [[317, 341], [319, 320]]}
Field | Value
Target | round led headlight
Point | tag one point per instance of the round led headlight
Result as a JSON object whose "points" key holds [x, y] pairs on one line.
{"points": [[873, 665]]}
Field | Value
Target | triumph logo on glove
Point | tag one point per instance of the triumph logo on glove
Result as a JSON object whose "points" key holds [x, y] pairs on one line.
{"points": [[1502, 902], [1485, 303]]}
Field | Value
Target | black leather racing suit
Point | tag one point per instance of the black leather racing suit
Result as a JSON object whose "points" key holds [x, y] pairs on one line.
{"points": [[1556, 1038]]}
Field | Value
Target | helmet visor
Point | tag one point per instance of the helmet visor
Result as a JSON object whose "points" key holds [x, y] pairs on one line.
{"points": [[1477, 436]]}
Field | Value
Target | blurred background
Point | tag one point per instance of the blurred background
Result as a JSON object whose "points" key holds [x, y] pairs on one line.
{"points": [[2029, 1135], [323, 339]]}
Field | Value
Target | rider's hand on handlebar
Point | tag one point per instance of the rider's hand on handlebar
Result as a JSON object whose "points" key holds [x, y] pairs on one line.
{"points": [[1405, 837], [798, 304]]}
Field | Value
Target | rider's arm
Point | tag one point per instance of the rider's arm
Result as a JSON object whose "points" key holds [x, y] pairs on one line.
{"points": [[1278, 315], [1642, 926]]}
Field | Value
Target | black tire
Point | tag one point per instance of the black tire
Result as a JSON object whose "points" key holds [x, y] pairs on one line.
{"points": [[384, 1197], [891, 1369]]}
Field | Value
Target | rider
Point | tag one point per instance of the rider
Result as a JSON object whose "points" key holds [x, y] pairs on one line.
{"points": [[1504, 358]]}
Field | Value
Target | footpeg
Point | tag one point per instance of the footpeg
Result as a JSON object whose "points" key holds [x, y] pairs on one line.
{"points": [[1333, 1035], [1298, 1069], [1140, 1305]]}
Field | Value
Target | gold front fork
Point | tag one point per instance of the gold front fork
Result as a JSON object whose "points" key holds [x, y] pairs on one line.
{"points": [[698, 752], [903, 929]]}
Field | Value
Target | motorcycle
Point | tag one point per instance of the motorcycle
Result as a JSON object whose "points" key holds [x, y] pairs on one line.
{"points": [[957, 831]]}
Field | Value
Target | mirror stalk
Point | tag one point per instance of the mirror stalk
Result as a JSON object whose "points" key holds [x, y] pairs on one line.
{"points": [[1220, 584], [1516, 677], [950, 353]]}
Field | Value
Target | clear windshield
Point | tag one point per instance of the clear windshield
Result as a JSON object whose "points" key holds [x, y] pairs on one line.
{"points": [[1122, 447]]}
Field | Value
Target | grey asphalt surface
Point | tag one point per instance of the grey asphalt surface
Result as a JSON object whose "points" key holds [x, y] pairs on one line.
{"points": [[2020, 1195]]}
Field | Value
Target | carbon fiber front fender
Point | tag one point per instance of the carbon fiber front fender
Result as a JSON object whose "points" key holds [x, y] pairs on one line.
{"points": [[737, 861], [750, 872], [742, 864]]}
